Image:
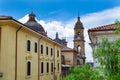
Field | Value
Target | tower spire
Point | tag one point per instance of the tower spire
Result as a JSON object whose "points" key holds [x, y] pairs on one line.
{"points": [[78, 14], [78, 17], [57, 35]]}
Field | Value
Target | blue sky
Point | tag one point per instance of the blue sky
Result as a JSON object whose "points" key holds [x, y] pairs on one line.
{"points": [[60, 15], [54, 9]]}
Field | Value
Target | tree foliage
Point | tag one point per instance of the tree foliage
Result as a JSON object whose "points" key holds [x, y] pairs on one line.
{"points": [[108, 55], [84, 73]]}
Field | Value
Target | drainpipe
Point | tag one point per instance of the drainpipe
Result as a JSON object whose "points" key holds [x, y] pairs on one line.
{"points": [[16, 50], [39, 57], [61, 61], [54, 61]]}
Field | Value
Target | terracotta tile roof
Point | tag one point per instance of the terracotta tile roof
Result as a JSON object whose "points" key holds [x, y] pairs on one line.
{"points": [[108, 27], [66, 49]]}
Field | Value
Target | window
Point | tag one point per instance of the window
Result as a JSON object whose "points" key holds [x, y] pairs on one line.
{"points": [[42, 67], [63, 59], [28, 45], [78, 62], [51, 51], [78, 33], [35, 48], [47, 67], [57, 53], [58, 67], [51, 67], [78, 48], [28, 68], [41, 49], [46, 50]]}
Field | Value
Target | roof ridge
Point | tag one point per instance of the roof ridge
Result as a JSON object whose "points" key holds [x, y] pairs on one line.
{"points": [[103, 27]]}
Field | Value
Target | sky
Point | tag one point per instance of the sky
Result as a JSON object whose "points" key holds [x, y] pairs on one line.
{"points": [[61, 15]]}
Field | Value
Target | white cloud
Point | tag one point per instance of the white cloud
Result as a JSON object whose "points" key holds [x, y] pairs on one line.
{"points": [[101, 18], [54, 12], [24, 19], [65, 29]]}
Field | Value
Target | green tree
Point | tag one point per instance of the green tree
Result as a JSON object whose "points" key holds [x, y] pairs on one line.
{"points": [[108, 55], [84, 72]]}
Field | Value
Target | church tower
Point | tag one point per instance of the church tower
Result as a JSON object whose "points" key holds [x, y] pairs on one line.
{"points": [[79, 42]]}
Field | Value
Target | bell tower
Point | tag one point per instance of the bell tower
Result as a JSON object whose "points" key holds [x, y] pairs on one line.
{"points": [[79, 42]]}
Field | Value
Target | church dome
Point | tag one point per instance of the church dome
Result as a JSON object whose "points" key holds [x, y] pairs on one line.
{"points": [[34, 25]]}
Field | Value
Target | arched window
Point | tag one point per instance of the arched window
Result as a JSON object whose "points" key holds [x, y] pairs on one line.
{"points": [[58, 66], [63, 59], [78, 33], [51, 51], [35, 48], [57, 53], [42, 67], [52, 67], [41, 49], [78, 48], [28, 68], [78, 62], [46, 50], [47, 67], [28, 45]]}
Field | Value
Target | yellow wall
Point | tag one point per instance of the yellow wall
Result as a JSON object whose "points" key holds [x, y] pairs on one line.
{"points": [[7, 53], [71, 56]]}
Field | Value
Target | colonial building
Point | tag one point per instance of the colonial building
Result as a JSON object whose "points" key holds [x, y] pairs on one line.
{"points": [[98, 33], [76, 56], [26, 53]]}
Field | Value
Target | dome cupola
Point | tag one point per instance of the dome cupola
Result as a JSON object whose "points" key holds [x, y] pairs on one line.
{"points": [[34, 25]]}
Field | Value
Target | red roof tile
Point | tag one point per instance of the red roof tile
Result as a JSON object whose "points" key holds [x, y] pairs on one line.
{"points": [[108, 27]]}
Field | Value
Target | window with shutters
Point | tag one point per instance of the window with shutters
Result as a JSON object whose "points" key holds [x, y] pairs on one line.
{"points": [[47, 67]]}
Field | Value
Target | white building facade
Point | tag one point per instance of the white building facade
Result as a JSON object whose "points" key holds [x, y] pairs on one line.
{"points": [[98, 33]]}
